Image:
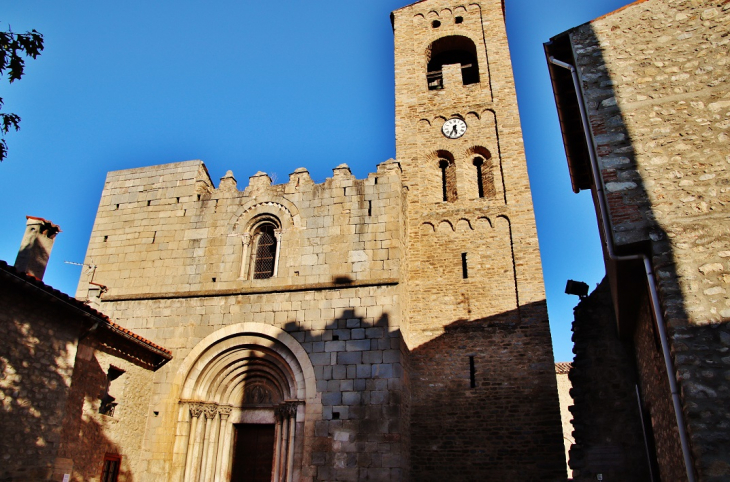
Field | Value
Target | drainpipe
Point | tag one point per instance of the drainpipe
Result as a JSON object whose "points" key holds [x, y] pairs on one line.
{"points": [[608, 239]]}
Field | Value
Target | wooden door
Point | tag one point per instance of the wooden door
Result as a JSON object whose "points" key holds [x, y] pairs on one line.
{"points": [[253, 453]]}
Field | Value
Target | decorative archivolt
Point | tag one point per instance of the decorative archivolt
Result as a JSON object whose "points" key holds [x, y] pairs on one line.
{"points": [[244, 373], [481, 223], [282, 208]]}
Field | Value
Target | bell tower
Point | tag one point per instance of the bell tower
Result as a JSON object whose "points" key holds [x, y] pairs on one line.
{"points": [[483, 390]]}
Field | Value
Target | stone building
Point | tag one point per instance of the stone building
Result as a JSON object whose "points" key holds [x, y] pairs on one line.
{"points": [[562, 369], [387, 328], [643, 100], [68, 375]]}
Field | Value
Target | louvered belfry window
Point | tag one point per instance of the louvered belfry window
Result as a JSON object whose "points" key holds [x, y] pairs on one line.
{"points": [[265, 252]]}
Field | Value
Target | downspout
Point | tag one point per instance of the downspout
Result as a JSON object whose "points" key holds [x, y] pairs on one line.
{"points": [[608, 239]]}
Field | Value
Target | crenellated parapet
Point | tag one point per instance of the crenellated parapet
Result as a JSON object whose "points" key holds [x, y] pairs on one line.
{"points": [[231, 238]]}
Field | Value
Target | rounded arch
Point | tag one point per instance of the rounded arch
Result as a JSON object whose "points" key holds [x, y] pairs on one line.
{"points": [[479, 151], [447, 167], [445, 226], [483, 222], [224, 358], [451, 49], [287, 212], [427, 228], [243, 373], [463, 224]]}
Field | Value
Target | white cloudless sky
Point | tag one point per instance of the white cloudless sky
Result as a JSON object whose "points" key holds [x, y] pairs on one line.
{"points": [[253, 86]]}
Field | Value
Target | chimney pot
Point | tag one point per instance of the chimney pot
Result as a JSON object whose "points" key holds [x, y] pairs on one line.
{"points": [[35, 249]]}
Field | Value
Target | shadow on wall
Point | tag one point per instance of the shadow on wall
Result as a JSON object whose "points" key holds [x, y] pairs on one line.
{"points": [[492, 381], [364, 388], [664, 176], [477, 402], [41, 409]]}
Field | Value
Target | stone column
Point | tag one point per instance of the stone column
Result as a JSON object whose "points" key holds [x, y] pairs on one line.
{"points": [[286, 416], [182, 437], [211, 440], [223, 448], [291, 408], [277, 233], [196, 409], [246, 242], [277, 446]]}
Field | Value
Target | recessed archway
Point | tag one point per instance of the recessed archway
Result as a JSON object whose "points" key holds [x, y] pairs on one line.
{"points": [[244, 374]]}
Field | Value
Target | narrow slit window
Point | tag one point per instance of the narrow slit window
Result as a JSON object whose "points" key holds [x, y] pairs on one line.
{"points": [[472, 373], [484, 173], [370, 208], [478, 163], [448, 180], [464, 267]]}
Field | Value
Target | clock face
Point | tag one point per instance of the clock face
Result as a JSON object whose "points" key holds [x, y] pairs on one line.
{"points": [[454, 128]]}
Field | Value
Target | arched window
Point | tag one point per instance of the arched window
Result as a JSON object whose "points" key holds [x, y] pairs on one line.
{"points": [[485, 177], [454, 49], [264, 251], [448, 176], [482, 161], [261, 245]]}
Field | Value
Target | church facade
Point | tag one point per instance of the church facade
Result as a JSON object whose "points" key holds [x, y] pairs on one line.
{"points": [[389, 328]]}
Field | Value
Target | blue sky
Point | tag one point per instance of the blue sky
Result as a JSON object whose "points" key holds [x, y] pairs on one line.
{"points": [[237, 85]]}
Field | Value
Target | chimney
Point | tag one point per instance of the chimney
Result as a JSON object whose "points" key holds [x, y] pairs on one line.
{"points": [[35, 249]]}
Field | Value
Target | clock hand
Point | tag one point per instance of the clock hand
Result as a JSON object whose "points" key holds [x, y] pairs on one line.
{"points": [[453, 130]]}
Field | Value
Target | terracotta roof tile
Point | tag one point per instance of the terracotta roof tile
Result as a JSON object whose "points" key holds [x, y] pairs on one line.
{"points": [[32, 280], [562, 368]]}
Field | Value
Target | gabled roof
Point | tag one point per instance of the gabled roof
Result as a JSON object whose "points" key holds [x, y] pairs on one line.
{"points": [[110, 333]]}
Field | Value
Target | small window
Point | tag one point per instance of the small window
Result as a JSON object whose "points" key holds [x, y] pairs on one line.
{"points": [[265, 252], [448, 180], [435, 24], [484, 175], [261, 248], [458, 19], [110, 469]]}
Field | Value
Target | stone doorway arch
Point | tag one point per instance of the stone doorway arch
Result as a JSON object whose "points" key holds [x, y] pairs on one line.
{"points": [[248, 373]]}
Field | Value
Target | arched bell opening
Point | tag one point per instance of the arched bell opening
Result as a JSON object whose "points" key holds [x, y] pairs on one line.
{"points": [[240, 402]]}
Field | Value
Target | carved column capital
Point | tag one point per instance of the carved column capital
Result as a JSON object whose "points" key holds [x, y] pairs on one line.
{"points": [[225, 411], [287, 409], [210, 410], [278, 233], [196, 408], [246, 239]]}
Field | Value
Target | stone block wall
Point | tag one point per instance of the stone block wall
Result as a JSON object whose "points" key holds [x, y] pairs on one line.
{"points": [[486, 408], [566, 401], [173, 274], [655, 78], [351, 336], [165, 229], [472, 278], [37, 356], [607, 424], [89, 435]]}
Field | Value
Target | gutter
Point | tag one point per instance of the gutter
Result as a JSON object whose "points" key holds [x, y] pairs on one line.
{"points": [[653, 292]]}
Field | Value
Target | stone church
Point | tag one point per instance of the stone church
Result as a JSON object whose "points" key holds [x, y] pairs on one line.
{"points": [[390, 328]]}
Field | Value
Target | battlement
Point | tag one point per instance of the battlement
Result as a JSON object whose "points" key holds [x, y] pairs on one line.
{"points": [[166, 230]]}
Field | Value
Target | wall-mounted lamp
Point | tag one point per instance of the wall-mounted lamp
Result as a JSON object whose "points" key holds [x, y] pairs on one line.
{"points": [[577, 288]]}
